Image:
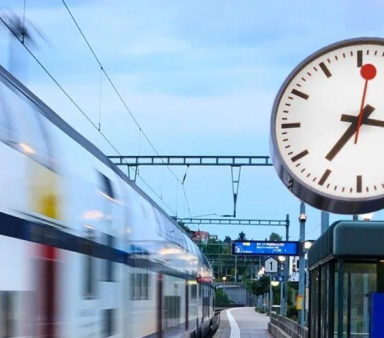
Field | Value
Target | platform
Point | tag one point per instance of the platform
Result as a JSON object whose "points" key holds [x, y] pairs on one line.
{"points": [[243, 322]]}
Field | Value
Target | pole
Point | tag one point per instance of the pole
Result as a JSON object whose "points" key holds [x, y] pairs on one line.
{"points": [[281, 294], [324, 221], [302, 219], [270, 295], [283, 308], [235, 269]]}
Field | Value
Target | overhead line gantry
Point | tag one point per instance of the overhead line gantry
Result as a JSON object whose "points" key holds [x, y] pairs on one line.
{"points": [[235, 162]]}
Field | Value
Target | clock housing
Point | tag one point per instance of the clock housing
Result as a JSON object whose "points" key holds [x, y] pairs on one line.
{"points": [[313, 128]]}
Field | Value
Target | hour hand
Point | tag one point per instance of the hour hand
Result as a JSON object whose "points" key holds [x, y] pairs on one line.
{"points": [[368, 110], [368, 122]]}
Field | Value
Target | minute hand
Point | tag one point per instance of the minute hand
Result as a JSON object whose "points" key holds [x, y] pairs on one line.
{"points": [[368, 122], [368, 110]]}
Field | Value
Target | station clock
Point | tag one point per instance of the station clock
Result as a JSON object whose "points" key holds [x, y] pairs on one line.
{"points": [[327, 128]]}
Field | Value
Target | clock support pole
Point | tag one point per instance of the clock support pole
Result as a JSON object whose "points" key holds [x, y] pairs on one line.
{"points": [[302, 220]]}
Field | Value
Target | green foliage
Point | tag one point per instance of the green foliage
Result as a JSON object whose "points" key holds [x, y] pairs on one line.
{"points": [[292, 313], [227, 239], [275, 237], [184, 227], [222, 298], [259, 309], [242, 236], [260, 286]]}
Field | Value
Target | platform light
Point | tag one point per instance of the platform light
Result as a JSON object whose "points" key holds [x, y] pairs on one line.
{"points": [[26, 148], [281, 258], [275, 283], [307, 245], [302, 217], [367, 217]]}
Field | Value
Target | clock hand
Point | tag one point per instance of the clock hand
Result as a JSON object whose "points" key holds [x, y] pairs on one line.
{"points": [[368, 72], [368, 122], [367, 111]]}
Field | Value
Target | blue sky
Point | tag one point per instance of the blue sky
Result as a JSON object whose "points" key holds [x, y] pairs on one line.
{"points": [[200, 77]]}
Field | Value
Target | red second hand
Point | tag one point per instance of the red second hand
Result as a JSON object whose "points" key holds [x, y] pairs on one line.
{"points": [[368, 72]]}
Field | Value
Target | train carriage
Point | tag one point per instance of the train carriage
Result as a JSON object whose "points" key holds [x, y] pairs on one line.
{"points": [[84, 252]]}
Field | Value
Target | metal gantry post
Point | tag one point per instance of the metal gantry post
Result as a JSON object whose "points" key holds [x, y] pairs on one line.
{"points": [[302, 220], [286, 274], [324, 221]]}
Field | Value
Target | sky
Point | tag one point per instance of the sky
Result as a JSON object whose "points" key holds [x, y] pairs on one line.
{"points": [[200, 77]]}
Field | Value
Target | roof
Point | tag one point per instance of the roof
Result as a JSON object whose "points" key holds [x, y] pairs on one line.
{"points": [[348, 239]]}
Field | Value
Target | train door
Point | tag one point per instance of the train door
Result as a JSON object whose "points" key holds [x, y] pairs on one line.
{"points": [[186, 305], [40, 202], [159, 306], [109, 266]]}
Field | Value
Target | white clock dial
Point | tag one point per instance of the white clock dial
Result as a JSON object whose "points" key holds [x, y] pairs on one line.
{"points": [[328, 128]]}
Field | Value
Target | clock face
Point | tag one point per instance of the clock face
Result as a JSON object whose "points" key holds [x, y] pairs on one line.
{"points": [[328, 128]]}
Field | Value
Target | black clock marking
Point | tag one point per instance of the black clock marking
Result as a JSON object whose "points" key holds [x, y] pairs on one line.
{"points": [[290, 125], [368, 110], [325, 69], [300, 94], [324, 177], [359, 183], [299, 155], [359, 58]]}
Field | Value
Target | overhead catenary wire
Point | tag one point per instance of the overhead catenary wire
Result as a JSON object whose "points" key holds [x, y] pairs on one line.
{"points": [[117, 92], [75, 104]]}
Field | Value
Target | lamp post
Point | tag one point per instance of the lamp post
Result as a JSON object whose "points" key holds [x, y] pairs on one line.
{"points": [[271, 284], [301, 305], [283, 298]]}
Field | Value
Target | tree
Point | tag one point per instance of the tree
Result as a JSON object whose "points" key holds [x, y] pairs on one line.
{"points": [[261, 285], [242, 236], [184, 227], [227, 239], [275, 237]]}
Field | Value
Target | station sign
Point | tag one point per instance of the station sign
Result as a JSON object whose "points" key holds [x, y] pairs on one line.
{"points": [[271, 265], [270, 248]]}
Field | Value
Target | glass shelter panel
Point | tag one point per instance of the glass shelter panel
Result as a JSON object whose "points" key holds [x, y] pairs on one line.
{"points": [[360, 280], [314, 306]]}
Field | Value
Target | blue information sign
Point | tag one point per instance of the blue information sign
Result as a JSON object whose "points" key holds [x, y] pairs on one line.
{"points": [[265, 248]]}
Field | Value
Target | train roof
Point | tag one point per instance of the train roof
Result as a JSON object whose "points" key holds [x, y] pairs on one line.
{"points": [[183, 240]]}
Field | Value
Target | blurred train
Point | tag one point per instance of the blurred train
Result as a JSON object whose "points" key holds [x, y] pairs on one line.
{"points": [[83, 251]]}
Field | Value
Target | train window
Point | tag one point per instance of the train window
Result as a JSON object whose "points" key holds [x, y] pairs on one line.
{"points": [[106, 187], [194, 291], [89, 263], [5, 123], [7, 315], [31, 138], [172, 307], [109, 322], [140, 284], [108, 269]]}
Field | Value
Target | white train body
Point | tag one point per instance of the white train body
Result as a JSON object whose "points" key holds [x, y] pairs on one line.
{"points": [[83, 251]]}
